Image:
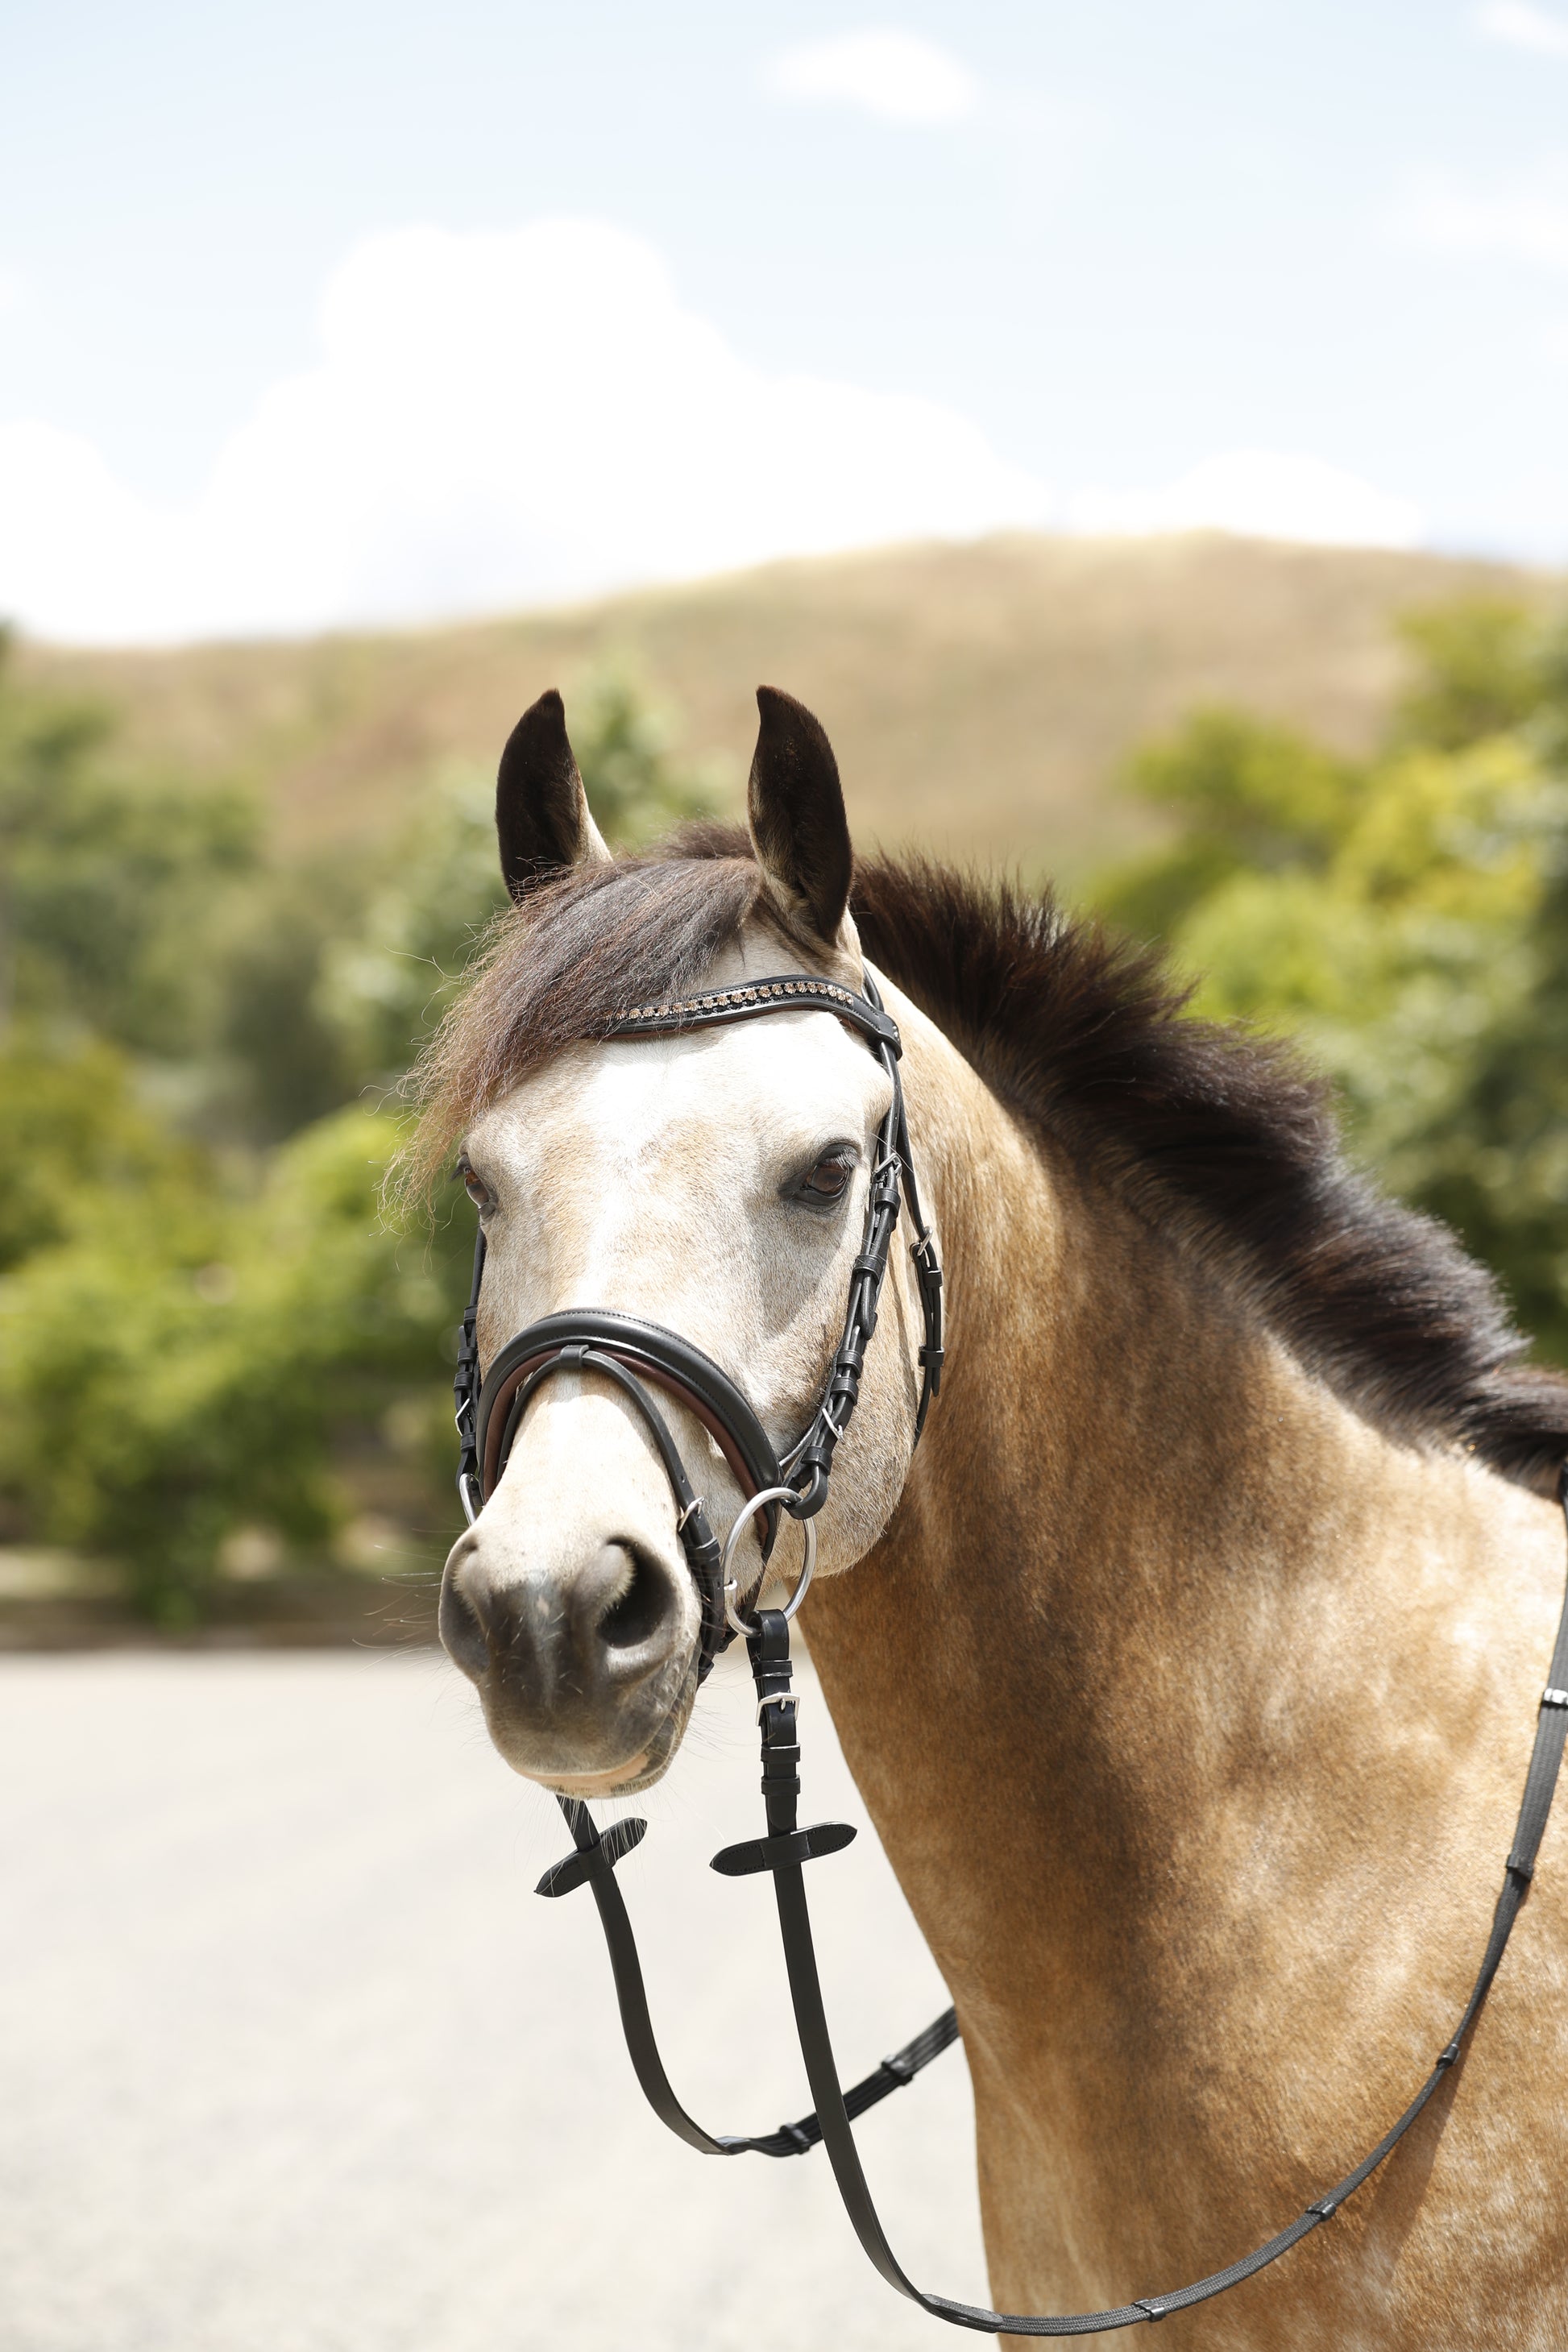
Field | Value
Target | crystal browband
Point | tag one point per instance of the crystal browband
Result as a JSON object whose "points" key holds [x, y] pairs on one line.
{"points": [[721, 1004]]}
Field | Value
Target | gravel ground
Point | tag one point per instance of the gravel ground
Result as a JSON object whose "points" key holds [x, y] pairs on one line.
{"points": [[291, 2061]]}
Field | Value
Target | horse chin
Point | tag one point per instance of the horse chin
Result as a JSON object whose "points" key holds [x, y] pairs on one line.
{"points": [[650, 1759]]}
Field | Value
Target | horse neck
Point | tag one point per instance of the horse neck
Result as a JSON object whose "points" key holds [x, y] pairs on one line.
{"points": [[1145, 1571]]}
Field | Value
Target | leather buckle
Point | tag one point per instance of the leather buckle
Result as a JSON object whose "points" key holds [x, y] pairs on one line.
{"points": [[778, 1698]]}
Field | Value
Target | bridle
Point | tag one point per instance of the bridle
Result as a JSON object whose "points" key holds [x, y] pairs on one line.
{"points": [[636, 1355]]}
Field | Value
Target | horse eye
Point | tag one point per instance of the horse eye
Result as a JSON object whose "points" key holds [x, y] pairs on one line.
{"points": [[827, 1180], [477, 1191]]}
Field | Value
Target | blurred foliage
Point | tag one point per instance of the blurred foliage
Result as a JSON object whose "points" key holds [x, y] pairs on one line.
{"points": [[635, 788], [1406, 916], [201, 1302], [202, 1312], [278, 1056], [71, 1133], [1484, 667], [179, 1367], [110, 893], [1245, 796], [382, 985]]}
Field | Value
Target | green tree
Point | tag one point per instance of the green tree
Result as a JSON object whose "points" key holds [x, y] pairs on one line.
{"points": [[281, 1054], [636, 788], [109, 888], [1407, 917], [1481, 670], [190, 1332], [383, 984], [184, 1363], [72, 1135], [1243, 796]]}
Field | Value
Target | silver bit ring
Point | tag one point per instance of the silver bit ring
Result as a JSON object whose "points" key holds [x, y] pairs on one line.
{"points": [[742, 1520]]}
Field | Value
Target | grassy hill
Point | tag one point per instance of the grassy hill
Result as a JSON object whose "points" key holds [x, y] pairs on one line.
{"points": [[980, 696]]}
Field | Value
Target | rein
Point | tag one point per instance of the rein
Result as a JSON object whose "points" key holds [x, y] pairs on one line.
{"points": [[633, 1353]]}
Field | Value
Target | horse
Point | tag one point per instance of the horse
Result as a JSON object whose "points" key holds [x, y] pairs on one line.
{"points": [[1187, 1668]]}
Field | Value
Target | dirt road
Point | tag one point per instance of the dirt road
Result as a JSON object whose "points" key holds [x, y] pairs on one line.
{"points": [[292, 2061]]}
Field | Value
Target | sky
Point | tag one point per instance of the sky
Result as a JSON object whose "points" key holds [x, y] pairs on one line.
{"points": [[327, 313]]}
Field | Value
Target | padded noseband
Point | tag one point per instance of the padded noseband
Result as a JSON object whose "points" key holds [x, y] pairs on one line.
{"points": [[663, 1357], [631, 1353]]}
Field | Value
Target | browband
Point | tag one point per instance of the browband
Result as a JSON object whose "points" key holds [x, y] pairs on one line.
{"points": [[797, 992]]}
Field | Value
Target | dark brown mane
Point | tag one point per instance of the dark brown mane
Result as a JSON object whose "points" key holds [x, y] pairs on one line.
{"points": [[1084, 1037], [1084, 1034]]}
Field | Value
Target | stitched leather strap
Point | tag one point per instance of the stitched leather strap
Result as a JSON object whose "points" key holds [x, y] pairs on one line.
{"points": [[628, 1352], [704, 1558], [787, 993], [807, 993], [664, 1357]]}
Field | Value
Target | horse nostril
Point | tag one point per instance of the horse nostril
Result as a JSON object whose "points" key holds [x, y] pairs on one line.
{"points": [[462, 1633], [543, 1643], [629, 1613], [641, 1607]]}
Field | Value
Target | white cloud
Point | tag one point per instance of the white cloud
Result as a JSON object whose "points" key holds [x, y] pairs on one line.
{"points": [[1520, 26], [899, 76], [13, 290], [1526, 221], [495, 419], [1259, 494]]}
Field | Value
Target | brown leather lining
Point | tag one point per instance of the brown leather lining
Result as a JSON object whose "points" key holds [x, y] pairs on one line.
{"points": [[501, 1407]]}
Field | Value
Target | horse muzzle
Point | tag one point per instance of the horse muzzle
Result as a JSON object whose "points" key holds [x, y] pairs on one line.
{"points": [[584, 1654]]}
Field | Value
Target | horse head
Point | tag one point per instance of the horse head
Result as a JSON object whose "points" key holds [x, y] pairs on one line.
{"points": [[712, 1182]]}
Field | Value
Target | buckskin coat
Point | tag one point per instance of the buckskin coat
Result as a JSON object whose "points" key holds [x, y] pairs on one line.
{"points": [[1189, 1669]]}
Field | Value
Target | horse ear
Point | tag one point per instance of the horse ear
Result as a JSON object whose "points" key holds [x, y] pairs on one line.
{"points": [[543, 821], [799, 831]]}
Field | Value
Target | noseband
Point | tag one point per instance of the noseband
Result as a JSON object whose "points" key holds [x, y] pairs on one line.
{"points": [[634, 1355]]}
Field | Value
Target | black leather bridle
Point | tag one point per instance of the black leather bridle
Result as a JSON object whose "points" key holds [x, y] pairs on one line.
{"points": [[634, 1354]]}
